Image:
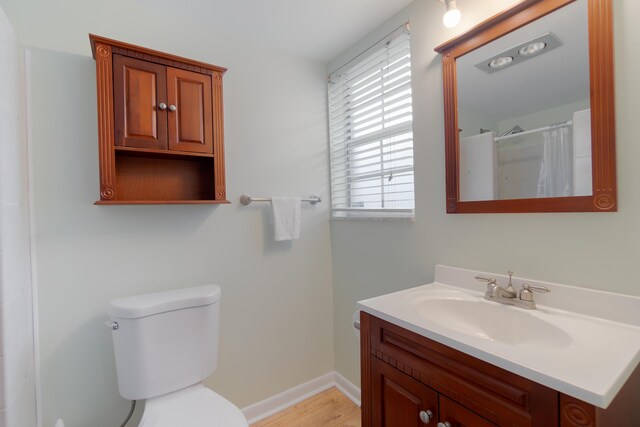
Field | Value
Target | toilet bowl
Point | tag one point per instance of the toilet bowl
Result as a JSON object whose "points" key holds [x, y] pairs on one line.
{"points": [[165, 345], [196, 406]]}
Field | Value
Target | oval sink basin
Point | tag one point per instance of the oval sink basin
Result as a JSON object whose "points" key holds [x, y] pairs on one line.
{"points": [[492, 321]]}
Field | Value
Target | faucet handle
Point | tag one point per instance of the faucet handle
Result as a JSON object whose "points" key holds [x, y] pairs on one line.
{"points": [[526, 293], [491, 285], [542, 289], [489, 280]]}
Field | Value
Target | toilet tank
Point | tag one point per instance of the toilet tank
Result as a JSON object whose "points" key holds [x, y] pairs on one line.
{"points": [[165, 341]]}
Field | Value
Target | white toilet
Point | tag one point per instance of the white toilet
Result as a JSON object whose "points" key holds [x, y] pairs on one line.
{"points": [[165, 344]]}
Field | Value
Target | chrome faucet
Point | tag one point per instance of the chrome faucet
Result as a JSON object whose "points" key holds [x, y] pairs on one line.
{"points": [[508, 295]]}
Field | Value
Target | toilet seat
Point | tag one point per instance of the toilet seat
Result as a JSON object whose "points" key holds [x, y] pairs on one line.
{"points": [[195, 406]]}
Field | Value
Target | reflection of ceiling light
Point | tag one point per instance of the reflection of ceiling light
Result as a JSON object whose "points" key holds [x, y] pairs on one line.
{"points": [[532, 49], [519, 53], [503, 61], [452, 16]]}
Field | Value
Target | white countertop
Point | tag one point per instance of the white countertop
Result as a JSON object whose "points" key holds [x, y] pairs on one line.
{"points": [[592, 364]]}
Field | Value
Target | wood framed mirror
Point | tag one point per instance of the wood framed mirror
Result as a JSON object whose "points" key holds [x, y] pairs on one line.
{"points": [[529, 110]]}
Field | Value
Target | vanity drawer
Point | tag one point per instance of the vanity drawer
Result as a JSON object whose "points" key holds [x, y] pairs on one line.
{"points": [[500, 396]]}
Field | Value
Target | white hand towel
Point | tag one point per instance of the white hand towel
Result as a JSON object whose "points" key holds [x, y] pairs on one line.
{"points": [[286, 217]]}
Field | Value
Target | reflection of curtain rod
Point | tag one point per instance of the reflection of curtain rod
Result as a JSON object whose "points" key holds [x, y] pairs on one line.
{"points": [[513, 135]]}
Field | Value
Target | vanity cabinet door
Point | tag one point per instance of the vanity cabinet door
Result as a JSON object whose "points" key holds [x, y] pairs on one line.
{"points": [[398, 400], [140, 96], [458, 416]]}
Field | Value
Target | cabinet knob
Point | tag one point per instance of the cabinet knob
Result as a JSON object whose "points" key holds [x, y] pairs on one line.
{"points": [[444, 424], [162, 106], [425, 416], [172, 108]]}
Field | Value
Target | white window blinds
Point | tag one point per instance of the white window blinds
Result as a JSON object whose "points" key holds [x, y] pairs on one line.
{"points": [[371, 138]]}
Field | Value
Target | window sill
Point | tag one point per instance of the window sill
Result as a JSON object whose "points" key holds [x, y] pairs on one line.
{"points": [[375, 216]]}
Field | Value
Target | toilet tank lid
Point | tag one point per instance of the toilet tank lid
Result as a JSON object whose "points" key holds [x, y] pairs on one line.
{"points": [[160, 302]]}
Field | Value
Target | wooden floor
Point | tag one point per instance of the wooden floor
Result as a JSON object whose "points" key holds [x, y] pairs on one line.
{"points": [[329, 408]]}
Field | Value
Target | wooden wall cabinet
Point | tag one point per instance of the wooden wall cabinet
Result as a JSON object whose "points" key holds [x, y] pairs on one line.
{"points": [[160, 126], [404, 374]]}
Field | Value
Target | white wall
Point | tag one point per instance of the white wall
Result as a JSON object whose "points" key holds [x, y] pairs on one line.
{"points": [[276, 312], [471, 122], [17, 383], [594, 250]]}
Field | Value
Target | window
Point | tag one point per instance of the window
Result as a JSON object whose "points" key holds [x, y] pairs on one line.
{"points": [[371, 137]]}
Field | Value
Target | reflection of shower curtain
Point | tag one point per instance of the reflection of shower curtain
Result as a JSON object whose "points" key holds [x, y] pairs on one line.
{"points": [[556, 171]]}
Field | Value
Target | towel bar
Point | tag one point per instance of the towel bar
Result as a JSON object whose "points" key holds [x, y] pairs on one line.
{"points": [[245, 200]]}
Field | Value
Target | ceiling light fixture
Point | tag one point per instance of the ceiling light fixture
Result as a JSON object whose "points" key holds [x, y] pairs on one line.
{"points": [[452, 16], [503, 61], [532, 49]]}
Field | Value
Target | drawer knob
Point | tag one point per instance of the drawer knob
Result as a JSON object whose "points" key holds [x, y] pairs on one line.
{"points": [[162, 106], [444, 424], [425, 416], [172, 107]]}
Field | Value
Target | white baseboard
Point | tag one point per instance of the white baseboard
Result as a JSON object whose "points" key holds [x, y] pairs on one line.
{"points": [[347, 388], [272, 405]]}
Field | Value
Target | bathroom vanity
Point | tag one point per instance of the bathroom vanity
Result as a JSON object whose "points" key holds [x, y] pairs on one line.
{"points": [[442, 355]]}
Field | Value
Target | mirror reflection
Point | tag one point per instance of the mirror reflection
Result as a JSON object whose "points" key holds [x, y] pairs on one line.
{"points": [[524, 112]]}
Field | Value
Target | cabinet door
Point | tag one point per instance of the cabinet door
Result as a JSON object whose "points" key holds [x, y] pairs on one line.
{"points": [[190, 118], [398, 400], [139, 90], [457, 416]]}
